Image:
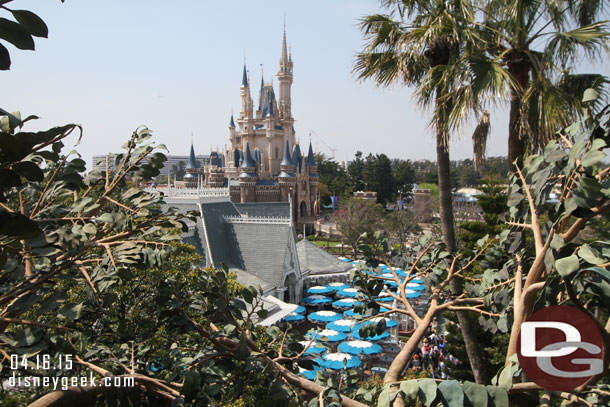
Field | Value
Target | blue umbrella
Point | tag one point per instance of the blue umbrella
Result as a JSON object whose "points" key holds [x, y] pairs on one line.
{"points": [[356, 335], [317, 299], [293, 316], [318, 289], [360, 348], [314, 348], [385, 297], [345, 259], [389, 323], [390, 275], [351, 313], [328, 335], [309, 374], [341, 325], [348, 292], [417, 280], [337, 286], [346, 303], [415, 286], [324, 316], [338, 361], [300, 309], [412, 294]]}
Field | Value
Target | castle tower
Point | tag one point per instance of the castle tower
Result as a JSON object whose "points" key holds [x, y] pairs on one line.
{"points": [[232, 129], [285, 78], [245, 113], [287, 177], [312, 169], [297, 157], [247, 178], [191, 178]]}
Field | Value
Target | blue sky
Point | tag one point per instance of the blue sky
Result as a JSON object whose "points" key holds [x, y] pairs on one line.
{"points": [[176, 67]]}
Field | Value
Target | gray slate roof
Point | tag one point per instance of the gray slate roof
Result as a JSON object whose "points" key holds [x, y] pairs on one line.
{"points": [[216, 232], [314, 260], [248, 279], [260, 249], [274, 209]]}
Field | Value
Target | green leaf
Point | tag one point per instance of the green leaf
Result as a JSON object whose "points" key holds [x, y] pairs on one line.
{"points": [[9, 178], [451, 393], [427, 391], [603, 273], [384, 397], [15, 224], [590, 255], [557, 242], [567, 266], [410, 389], [16, 34], [71, 312], [262, 313], [5, 58], [53, 301], [505, 378], [476, 394], [592, 157], [247, 295], [191, 385], [32, 23], [514, 199], [29, 171], [498, 395], [590, 95]]}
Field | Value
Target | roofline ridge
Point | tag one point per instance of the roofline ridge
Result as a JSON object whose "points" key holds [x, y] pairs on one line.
{"points": [[205, 231]]}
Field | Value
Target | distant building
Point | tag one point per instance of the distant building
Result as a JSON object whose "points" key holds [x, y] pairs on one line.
{"points": [[173, 161]]}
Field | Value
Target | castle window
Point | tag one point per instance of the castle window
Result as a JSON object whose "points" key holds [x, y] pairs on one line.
{"points": [[277, 152]]}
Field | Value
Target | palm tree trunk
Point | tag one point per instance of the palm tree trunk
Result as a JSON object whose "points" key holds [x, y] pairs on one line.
{"points": [[519, 70], [480, 367]]}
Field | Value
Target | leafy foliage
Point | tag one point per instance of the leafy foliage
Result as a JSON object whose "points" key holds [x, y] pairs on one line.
{"points": [[19, 31]]}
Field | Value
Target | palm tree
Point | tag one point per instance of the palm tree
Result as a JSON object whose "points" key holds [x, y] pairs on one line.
{"points": [[528, 52], [426, 38]]}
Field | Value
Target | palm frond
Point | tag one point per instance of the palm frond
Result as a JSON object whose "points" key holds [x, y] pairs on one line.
{"points": [[565, 47]]}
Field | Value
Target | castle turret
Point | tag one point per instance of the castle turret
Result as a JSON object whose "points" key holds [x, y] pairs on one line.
{"points": [[245, 112], [297, 157], [232, 130], [247, 177], [285, 79], [312, 168], [287, 177], [191, 177]]}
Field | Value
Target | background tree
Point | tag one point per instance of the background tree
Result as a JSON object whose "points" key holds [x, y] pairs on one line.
{"points": [[358, 216], [378, 177], [355, 172], [333, 176], [404, 176], [401, 224]]}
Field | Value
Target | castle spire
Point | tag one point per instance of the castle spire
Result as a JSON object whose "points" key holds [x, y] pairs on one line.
{"points": [[244, 79], [311, 161], [192, 164], [284, 60], [248, 161]]}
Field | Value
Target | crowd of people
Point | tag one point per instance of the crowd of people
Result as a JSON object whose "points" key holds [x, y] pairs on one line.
{"points": [[432, 354]]}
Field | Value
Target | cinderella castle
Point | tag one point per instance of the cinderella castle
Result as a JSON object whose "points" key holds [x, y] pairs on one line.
{"points": [[264, 162]]}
